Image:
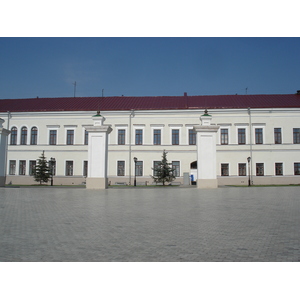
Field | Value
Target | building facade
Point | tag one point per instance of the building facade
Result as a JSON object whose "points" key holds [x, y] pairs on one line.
{"points": [[258, 137]]}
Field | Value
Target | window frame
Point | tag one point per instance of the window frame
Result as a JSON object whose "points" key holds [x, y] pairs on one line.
{"points": [[296, 135], [225, 169], [156, 136], [22, 167], [259, 135], [242, 136], [225, 140], [13, 135], [138, 136], [277, 135], [121, 136], [33, 135], [52, 141], [260, 169], [175, 137], [70, 136], [242, 169], [192, 136], [12, 167], [69, 168], [139, 168], [23, 135], [121, 168], [296, 168], [278, 166], [176, 167]]}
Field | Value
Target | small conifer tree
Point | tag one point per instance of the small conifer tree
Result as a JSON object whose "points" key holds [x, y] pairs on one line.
{"points": [[42, 171], [163, 172]]}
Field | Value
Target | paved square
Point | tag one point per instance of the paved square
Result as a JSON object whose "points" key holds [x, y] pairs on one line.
{"points": [[150, 224]]}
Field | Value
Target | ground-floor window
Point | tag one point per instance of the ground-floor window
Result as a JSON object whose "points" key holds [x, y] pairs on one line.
{"points": [[139, 168], [69, 168], [278, 169], [85, 168], [297, 168], [259, 169], [32, 165], [224, 169], [176, 167], [242, 169], [155, 166], [12, 167], [22, 167], [121, 168]]}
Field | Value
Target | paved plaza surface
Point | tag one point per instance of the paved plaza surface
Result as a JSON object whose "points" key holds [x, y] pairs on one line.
{"points": [[150, 224]]}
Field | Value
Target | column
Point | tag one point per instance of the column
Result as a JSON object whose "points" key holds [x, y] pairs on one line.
{"points": [[3, 152], [97, 153], [206, 152]]}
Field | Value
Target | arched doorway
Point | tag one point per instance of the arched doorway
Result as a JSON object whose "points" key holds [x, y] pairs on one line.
{"points": [[193, 172]]}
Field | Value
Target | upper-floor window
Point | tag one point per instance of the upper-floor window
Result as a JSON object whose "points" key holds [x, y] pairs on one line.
{"points": [[258, 135], [33, 137], [296, 135], [23, 136], [121, 137], [70, 137], [192, 137], [86, 137], [241, 136], [13, 136], [277, 135], [52, 137], [156, 137], [224, 136], [175, 136], [139, 136]]}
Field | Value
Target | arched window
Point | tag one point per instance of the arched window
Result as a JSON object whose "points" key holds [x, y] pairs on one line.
{"points": [[13, 136], [33, 137], [23, 135]]}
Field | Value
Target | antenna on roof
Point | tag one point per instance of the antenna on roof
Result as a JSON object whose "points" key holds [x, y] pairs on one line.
{"points": [[74, 89], [246, 90]]}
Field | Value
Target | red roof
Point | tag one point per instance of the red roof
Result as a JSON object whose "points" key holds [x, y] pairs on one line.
{"points": [[150, 103]]}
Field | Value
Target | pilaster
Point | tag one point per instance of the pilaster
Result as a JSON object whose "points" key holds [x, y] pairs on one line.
{"points": [[97, 153], [206, 152], [3, 152]]}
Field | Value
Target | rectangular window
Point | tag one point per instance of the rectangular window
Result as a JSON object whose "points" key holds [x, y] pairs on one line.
{"points": [[52, 166], [259, 169], [155, 166], [139, 168], [296, 135], [277, 135], [12, 167], [242, 170], [121, 137], [52, 137], [86, 137], [156, 137], [192, 137], [69, 168], [224, 169], [176, 168], [297, 168], [121, 168], [258, 135], [32, 165], [70, 137], [175, 136], [139, 136], [242, 136], [278, 169], [22, 167], [85, 168], [224, 136]]}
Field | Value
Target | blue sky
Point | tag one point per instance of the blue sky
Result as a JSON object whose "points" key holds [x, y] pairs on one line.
{"points": [[48, 67]]}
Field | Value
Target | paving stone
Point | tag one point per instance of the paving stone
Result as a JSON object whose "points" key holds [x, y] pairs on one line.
{"points": [[150, 224]]}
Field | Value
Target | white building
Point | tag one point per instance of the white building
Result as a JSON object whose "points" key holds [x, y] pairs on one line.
{"points": [[265, 128]]}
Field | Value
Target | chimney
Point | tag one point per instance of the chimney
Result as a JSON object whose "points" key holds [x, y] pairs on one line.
{"points": [[298, 92], [185, 94]]}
